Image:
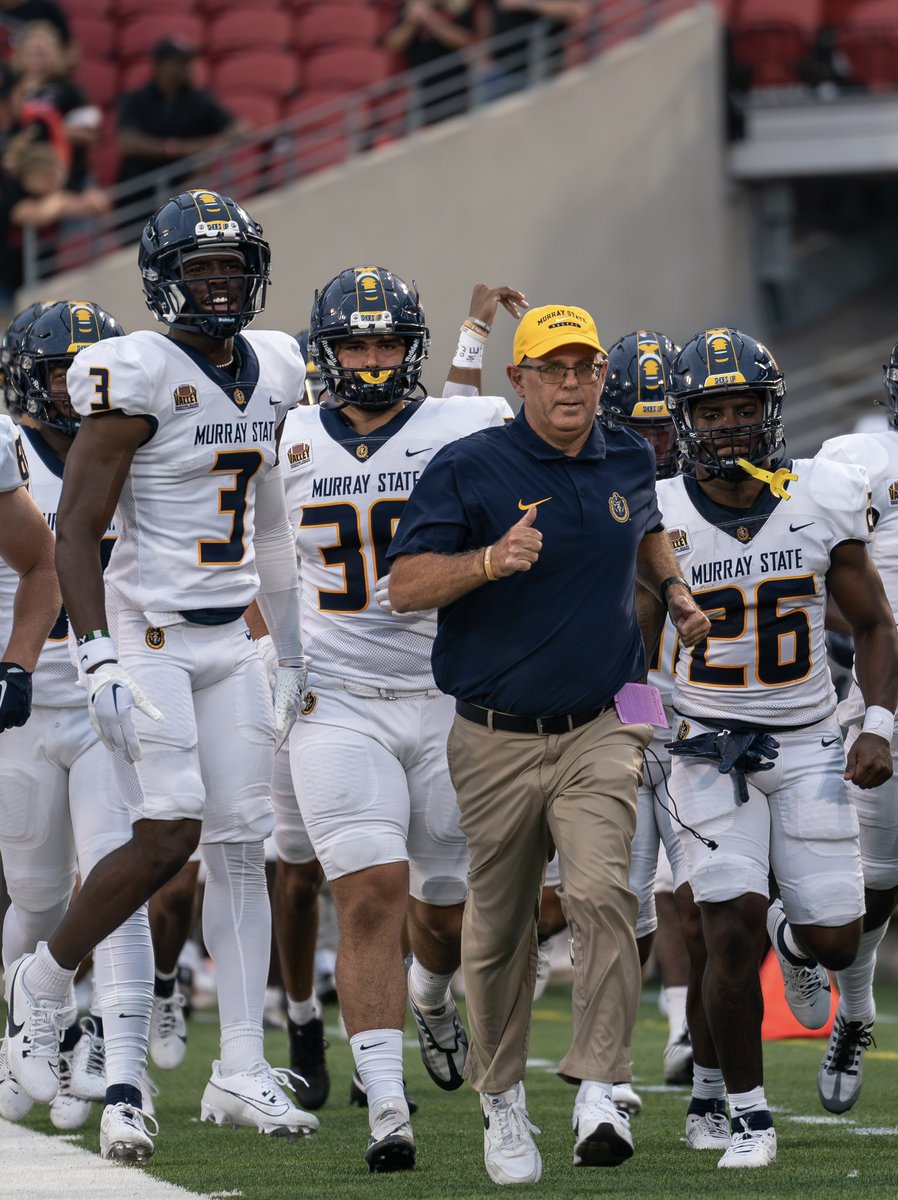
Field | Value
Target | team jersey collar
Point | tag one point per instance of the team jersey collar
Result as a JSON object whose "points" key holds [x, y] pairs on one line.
{"points": [[740, 523], [593, 449], [238, 390], [363, 445], [42, 449]]}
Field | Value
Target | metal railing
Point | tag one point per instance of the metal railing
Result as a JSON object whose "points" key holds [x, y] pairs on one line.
{"points": [[343, 128]]}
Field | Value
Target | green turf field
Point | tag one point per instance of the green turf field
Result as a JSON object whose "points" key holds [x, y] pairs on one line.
{"points": [[819, 1155]]}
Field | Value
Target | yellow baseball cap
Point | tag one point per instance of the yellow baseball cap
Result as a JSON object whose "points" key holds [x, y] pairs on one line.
{"points": [[543, 329]]}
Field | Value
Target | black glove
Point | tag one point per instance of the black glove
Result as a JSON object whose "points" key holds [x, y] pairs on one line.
{"points": [[739, 753], [15, 695]]}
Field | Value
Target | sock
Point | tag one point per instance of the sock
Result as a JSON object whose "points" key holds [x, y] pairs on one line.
{"points": [[707, 1083], [675, 1004], [426, 988], [22, 930], [378, 1060], [70, 1038], [123, 978], [241, 1047], [123, 1093], [45, 978], [164, 983], [856, 982], [591, 1090], [785, 939], [301, 1012], [742, 1103]]}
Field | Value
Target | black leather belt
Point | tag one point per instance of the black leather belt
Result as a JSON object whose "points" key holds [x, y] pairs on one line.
{"points": [[509, 723]]}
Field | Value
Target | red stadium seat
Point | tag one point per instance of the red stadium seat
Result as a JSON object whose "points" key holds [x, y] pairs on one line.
{"points": [[774, 40], [338, 24], [138, 37], [99, 78], [129, 10], [96, 10], [258, 109], [94, 37], [270, 72], [217, 7], [353, 68], [233, 32], [872, 55]]}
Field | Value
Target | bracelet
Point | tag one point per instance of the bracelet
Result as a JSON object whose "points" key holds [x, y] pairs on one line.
{"points": [[469, 353], [484, 325], [880, 721], [95, 648], [488, 566], [668, 583]]}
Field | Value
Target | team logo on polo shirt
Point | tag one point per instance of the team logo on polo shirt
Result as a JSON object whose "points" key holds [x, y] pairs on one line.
{"points": [[618, 507]]}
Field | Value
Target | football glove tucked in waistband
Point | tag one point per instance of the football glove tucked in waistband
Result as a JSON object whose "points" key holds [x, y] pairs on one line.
{"points": [[739, 753]]}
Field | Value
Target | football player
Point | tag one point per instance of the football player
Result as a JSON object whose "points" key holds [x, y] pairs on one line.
{"points": [[59, 772], [181, 432], [841, 1072], [758, 766], [368, 755]]}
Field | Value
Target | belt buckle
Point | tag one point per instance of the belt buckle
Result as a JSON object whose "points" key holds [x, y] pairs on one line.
{"points": [[539, 725]]}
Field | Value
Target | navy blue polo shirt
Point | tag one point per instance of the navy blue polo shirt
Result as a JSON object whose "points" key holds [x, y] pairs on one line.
{"points": [[563, 636]]}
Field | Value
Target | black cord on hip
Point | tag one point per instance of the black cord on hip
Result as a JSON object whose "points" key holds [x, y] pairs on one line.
{"points": [[672, 810]]}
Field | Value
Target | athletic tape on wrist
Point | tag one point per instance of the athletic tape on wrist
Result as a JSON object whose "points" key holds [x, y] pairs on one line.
{"points": [[880, 721]]}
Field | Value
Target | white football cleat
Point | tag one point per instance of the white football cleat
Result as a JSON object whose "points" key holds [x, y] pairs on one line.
{"points": [[602, 1132], [708, 1130], [391, 1146], [255, 1098], [808, 991], [168, 1031], [751, 1147], [67, 1110], [15, 1102], [442, 1041], [841, 1073], [89, 1064], [33, 1027], [124, 1135], [625, 1099]]}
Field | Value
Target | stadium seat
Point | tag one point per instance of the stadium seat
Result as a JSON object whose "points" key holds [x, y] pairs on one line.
{"points": [[138, 37], [350, 69], [338, 24], [129, 10], [245, 29], [99, 78], [775, 40], [94, 9], [216, 7], [270, 72], [258, 109], [871, 54], [94, 37]]}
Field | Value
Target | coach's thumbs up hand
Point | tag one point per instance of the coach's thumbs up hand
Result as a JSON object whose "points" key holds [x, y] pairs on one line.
{"points": [[519, 549]]}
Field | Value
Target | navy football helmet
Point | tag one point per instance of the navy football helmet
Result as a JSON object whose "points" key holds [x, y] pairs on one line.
{"points": [[10, 394], [194, 223], [368, 302], [51, 340], [890, 380], [314, 382], [634, 393], [713, 363]]}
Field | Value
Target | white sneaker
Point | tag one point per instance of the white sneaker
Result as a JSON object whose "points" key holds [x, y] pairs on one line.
{"points": [[15, 1102], [149, 1090], [710, 1130], [68, 1111], [391, 1146], [625, 1099], [842, 1070], [255, 1098], [124, 1135], [509, 1151], [808, 991], [168, 1031], [543, 968], [602, 1132], [678, 1060], [89, 1064], [443, 1043], [750, 1147], [33, 1026]]}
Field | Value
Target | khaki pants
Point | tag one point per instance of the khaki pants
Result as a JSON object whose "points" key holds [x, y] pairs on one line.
{"points": [[518, 794]]}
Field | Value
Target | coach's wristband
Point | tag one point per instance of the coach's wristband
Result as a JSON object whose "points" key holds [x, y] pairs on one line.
{"points": [[880, 721], [666, 584], [95, 648]]}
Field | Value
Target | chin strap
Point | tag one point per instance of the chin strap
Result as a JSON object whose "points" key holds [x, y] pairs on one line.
{"points": [[775, 480]]}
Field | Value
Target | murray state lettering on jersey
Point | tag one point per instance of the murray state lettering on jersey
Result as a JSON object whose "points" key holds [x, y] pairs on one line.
{"points": [[187, 509], [760, 578], [345, 496]]}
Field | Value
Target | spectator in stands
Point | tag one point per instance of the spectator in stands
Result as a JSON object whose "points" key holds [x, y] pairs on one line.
{"points": [[33, 195], [16, 14], [537, 52], [169, 118], [42, 64], [430, 30]]}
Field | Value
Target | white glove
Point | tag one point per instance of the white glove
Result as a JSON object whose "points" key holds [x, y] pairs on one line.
{"points": [[111, 694], [382, 593], [289, 687], [269, 656]]}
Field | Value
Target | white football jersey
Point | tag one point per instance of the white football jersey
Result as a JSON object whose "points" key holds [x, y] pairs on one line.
{"points": [[760, 577], [661, 668], [877, 453], [345, 495], [186, 512], [13, 475]]}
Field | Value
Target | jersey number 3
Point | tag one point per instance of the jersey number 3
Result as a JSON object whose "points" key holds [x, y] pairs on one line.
{"points": [[242, 464]]}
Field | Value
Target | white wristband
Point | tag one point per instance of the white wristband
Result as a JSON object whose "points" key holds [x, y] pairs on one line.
{"points": [[880, 721], [96, 651], [469, 353]]}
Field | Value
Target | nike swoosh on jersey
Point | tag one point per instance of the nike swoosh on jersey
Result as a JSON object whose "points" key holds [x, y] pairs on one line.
{"points": [[532, 503], [795, 528], [412, 453], [829, 741]]}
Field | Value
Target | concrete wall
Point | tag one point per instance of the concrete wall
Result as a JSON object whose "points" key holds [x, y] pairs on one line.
{"points": [[606, 189]]}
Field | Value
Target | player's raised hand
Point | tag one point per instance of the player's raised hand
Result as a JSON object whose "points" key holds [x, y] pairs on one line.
{"points": [[519, 549], [485, 301]]}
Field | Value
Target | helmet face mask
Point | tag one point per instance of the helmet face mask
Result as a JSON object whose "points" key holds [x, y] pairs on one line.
{"points": [[364, 303], [47, 349], [725, 364], [639, 367], [185, 229], [890, 382], [10, 379], [314, 385]]}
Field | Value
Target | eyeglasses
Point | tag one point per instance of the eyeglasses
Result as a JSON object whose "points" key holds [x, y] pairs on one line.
{"points": [[584, 372]]}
